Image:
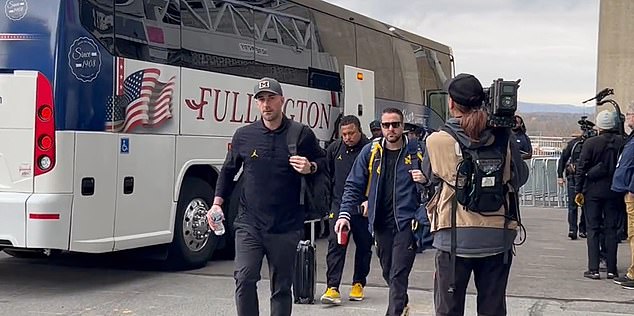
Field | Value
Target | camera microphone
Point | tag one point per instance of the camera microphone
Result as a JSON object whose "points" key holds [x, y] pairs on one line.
{"points": [[602, 94]]}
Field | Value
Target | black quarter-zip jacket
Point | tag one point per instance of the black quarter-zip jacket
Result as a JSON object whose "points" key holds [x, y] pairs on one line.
{"points": [[269, 198], [340, 159]]}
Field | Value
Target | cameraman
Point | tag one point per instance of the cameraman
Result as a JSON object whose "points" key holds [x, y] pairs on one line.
{"points": [[593, 179], [484, 243], [568, 163]]}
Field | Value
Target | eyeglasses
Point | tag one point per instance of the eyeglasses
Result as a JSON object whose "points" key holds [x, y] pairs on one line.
{"points": [[387, 125]]}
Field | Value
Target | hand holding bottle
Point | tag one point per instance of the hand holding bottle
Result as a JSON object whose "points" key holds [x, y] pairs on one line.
{"points": [[215, 216]]}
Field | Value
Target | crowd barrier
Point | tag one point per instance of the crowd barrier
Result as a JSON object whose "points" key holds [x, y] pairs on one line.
{"points": [[542, 188]]}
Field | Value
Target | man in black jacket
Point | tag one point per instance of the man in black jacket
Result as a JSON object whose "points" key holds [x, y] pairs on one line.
{"points": [[340, 156], [593, 180], [567, 164], [270, 218]]}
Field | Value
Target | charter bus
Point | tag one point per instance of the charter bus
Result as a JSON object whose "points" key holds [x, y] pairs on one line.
{"points": [[116, 115]]}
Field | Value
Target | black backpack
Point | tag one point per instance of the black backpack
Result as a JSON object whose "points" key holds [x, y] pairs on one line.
{"points": [[315, 192], [479, 183]]}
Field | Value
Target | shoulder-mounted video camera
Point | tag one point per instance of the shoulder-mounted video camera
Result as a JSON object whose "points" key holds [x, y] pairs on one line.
{"points": [[587, 127], [500, 103]]}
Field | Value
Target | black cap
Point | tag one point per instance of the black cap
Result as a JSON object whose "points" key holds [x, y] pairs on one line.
{"points": [[374, 125], [410, 127], [465, 89], [267, 85]]}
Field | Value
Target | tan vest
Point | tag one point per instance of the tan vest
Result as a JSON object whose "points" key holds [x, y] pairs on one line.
{"points": [[444, 155]]}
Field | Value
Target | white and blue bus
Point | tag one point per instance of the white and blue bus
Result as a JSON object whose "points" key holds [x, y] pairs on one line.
{"points": [[116, 115]]}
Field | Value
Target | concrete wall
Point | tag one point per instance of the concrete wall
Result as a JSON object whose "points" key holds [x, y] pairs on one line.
{"points": [[616, 51]]}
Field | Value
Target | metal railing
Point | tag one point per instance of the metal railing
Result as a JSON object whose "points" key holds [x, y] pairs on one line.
{"points": [[542, 188], [545, 146]]}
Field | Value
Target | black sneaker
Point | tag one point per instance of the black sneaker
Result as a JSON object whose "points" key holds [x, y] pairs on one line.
{"points": [[583, 235], [572, 235], [622, 280], [613, 275], [592, 275], [628, 285]]}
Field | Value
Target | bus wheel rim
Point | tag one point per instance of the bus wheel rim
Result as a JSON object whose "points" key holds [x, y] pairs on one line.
{"points": [[195, 227]]}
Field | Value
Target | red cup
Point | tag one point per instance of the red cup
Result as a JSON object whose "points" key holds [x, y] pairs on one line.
{"points": [[342, 237]]}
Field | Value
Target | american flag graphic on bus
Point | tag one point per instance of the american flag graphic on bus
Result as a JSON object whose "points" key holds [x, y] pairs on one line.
{"points": [[142, 99]]}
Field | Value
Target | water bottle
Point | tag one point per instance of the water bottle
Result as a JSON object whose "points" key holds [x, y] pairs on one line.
{"points": [[217, 218]]}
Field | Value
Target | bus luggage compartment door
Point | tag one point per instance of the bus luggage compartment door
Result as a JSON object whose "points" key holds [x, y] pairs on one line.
{"points": [[17, 128], [359, 95]]}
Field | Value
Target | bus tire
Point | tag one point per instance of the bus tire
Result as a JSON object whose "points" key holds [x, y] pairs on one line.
{"points": [[187, 250]]}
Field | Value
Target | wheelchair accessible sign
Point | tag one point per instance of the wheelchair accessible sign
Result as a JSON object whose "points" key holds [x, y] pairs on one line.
{"points": [[125, 145]]}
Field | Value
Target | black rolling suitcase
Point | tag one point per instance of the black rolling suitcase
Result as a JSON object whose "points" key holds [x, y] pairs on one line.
{"points": [[305, 271]]}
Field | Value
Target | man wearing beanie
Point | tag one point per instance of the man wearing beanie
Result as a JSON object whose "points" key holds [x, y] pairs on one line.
{"points": [[594, 173]]}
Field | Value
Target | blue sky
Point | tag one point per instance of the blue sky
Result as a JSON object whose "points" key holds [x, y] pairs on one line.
{"points": [[550, 44]]}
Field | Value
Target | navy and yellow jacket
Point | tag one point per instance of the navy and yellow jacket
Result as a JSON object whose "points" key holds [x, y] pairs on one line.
{"points": [[623, 180], [366, 173]]}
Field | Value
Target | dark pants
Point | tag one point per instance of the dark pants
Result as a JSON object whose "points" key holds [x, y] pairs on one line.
{"points": [[336, 256], [279, 249], [601, 218], [490, 277], [621, 230], [573, 214], [397, 251]]}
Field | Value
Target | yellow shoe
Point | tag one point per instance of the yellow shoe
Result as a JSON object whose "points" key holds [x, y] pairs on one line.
{"points": [[356, 293], [405, 311], [331, 296]]}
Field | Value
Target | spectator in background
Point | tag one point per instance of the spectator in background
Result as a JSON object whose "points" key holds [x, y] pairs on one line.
{"points": [[375, 129], [593, 180], [523, 141], [568, 164]]}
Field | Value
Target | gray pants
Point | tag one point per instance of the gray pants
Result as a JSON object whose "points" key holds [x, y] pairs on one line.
{"points": [[251, 247]]}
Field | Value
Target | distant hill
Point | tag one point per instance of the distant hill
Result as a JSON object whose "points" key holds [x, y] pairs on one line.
{"points": [[553, 119], [551, 124], [525, 107]]}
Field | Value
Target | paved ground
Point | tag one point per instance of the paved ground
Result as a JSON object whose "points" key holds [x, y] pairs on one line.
{"points": [[546, 279]]}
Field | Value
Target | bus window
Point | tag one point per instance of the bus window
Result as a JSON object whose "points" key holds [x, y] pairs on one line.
{"points": [[218, 37], [284, 40], [148, 30], [336, 45], [374, 52], [323, 79], [97, 16], [437, 108], [407, 76]]}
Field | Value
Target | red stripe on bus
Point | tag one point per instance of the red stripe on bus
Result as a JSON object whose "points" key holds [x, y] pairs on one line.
{"points": [[43, 216]]}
